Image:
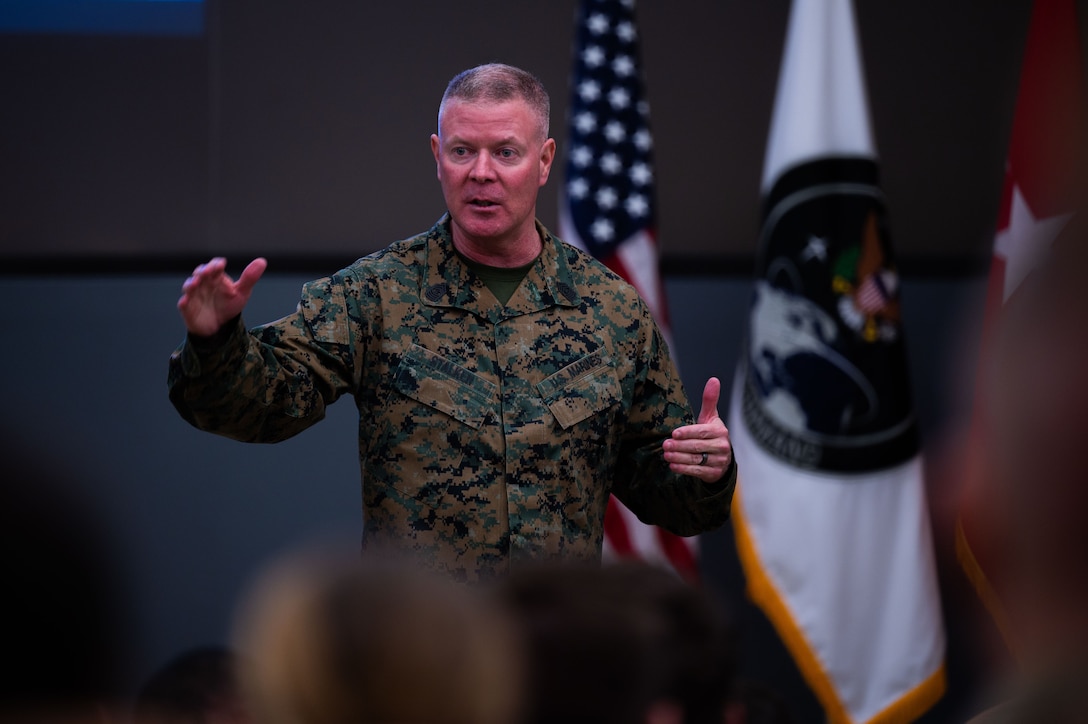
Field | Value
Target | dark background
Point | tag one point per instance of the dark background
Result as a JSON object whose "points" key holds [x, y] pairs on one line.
{"points": [[299, 131]]}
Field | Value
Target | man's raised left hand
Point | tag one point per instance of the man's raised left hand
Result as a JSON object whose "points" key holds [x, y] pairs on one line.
{"points": [[701, 450]]}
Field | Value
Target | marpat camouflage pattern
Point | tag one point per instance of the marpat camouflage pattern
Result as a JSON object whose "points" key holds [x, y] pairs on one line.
{"points": [[488, 435]]}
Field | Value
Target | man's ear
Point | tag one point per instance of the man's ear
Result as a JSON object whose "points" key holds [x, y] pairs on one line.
{"points": [[436, 146], [547, 155]]}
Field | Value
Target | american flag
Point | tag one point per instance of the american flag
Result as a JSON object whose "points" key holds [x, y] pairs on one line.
{"points": [[876, 292], [607, 208]]}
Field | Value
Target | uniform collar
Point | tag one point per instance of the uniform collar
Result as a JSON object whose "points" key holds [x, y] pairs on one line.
{"points": [[449, 282]]}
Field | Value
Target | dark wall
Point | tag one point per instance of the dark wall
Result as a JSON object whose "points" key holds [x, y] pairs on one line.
{"points": [[299, 128], [103, 144]]}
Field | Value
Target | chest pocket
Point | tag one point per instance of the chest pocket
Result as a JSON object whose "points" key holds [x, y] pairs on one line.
{"points": [[437, 382], [580, 390]]}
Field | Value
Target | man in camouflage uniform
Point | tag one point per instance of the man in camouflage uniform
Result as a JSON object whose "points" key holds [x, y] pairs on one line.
{"points": [[506, 382]]}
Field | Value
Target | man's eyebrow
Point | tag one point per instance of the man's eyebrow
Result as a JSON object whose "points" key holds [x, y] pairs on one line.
{"points": [[504, 141]]}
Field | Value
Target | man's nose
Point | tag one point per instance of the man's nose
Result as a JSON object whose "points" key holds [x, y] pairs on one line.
{"points": [[482, 168]]}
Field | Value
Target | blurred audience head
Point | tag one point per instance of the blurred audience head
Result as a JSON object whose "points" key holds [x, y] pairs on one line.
{"points": [[63, 647], [330, 639], [622, 644], [197, 687]]}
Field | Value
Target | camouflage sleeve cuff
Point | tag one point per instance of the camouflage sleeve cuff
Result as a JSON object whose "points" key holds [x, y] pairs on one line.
{"points": [[217, 340], [200, 354]]}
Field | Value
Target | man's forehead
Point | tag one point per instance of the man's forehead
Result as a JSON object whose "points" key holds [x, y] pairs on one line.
{"points": [[469, 115], [486, 108]]}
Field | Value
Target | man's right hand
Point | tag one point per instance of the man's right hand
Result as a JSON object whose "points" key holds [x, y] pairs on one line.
{"points": [[210, 298]]}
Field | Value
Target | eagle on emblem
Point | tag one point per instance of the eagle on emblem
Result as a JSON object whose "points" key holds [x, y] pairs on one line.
{"points": [[867, 287]]}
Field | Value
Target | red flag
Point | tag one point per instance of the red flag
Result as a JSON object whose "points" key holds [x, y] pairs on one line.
{"points": [[1036, 202]]}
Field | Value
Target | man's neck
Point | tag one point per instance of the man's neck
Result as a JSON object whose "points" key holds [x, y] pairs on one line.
{"points": [[501, 253]]}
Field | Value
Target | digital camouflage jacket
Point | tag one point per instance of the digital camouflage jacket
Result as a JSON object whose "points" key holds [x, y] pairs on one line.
{"points": [[487, 434]]}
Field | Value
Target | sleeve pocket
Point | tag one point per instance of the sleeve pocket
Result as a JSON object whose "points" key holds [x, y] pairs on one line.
{"points": [[324, 308], [581, 389], [437, 382]]}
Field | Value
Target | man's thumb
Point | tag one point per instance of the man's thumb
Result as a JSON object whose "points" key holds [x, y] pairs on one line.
{"points": [[711, 392], [251, 274]]}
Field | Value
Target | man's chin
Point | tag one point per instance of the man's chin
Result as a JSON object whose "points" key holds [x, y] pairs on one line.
{"points": [[482, 229]]}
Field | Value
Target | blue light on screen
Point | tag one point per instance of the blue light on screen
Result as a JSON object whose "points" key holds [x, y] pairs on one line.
{"points": [[102, 17]]}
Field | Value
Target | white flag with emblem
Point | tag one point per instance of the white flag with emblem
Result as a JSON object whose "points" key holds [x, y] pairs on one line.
{"points": [[830, 513]]}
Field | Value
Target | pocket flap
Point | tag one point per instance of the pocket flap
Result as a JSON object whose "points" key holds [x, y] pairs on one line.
{"points": [[435, 381], [581, 389]]}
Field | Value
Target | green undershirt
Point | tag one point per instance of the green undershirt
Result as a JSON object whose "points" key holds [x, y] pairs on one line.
{"points": [[502, 281]]}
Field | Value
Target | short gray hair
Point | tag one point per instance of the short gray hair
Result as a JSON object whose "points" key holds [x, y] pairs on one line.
{"points": [[497, 83]]}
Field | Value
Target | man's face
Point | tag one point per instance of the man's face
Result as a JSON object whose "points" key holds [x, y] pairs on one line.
{"points": [[491, 163]]}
